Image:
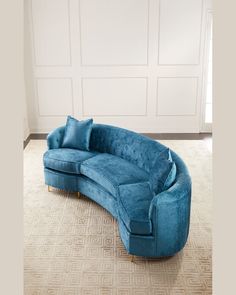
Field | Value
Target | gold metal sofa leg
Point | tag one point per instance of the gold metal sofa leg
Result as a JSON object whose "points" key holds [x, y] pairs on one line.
{"points": [[131, 258]]}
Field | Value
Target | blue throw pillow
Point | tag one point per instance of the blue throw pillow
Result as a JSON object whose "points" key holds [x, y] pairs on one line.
{"points": [[163, 172], [77, 134]]}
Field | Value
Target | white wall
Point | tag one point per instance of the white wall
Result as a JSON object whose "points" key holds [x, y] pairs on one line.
{"points": [[131, 63], [26, 130], [28, 100]]}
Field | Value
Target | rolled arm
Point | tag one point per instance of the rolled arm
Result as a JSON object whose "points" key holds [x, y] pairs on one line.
{"points": [[54, 138]]}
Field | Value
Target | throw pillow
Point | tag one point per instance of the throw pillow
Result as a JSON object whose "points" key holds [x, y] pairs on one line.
{"points": [[77, 134], [163, 172]]}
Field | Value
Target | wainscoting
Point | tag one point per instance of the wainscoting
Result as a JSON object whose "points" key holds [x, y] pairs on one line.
{"points": [[137, 64]]}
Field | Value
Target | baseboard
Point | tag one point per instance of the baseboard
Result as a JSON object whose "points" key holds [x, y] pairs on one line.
{"points": [[26, 141], [35, 136], [157, 136], [38, 135]]}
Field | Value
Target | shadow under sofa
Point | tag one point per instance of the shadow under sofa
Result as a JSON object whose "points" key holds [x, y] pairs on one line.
{"points": [[115, 173]]}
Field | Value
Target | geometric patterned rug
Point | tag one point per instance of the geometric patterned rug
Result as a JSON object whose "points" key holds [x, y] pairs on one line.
{"points": [[72, 246]]}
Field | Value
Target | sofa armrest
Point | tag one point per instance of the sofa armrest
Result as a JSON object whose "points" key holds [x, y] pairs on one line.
{"points": [[55, 137], [170, 215]]}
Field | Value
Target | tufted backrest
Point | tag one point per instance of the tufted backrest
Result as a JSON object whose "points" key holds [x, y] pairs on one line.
{"points": [[131, 146]]}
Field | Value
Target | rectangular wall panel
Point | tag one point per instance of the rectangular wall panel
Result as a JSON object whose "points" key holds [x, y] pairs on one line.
{"points": [[51, 32], [114, 32], [54, 97], [176, 96], [180, 27], [114, 96], [136, 64]]}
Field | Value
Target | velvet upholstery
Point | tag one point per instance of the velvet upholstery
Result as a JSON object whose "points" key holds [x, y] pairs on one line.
{"points": [[111, 171], [135, 148], [153, 220], [170, 212], [63, 181], [66, 160], [55, 138], [77, 134], [163, 172], [134, 202], [140, 245], [79, 183]]}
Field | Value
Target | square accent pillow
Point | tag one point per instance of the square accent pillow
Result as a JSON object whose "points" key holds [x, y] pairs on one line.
{"points": [[163, 172], [77, 134]]}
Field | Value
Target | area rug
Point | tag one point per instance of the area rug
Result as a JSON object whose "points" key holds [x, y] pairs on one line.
{"points": [[72, 246]]}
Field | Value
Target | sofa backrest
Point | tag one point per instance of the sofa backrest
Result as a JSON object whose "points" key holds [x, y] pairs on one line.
{"points": [[133, 147]]}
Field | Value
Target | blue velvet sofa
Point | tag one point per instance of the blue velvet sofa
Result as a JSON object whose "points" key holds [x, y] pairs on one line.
{"points": [[116, 173]]}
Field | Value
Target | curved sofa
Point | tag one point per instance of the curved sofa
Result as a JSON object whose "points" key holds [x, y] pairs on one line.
{"points": [[115, 173]]}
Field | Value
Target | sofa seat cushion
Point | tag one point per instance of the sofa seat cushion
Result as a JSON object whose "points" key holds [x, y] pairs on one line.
{"points": [[111, 171], [66, 160], [134, 202]]}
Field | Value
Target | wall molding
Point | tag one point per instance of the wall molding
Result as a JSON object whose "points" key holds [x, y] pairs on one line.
{"points": [[115, 78], [114, 65], [69, 34], [78, 70], [196, 98], [199, 45], [54, 78]]}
